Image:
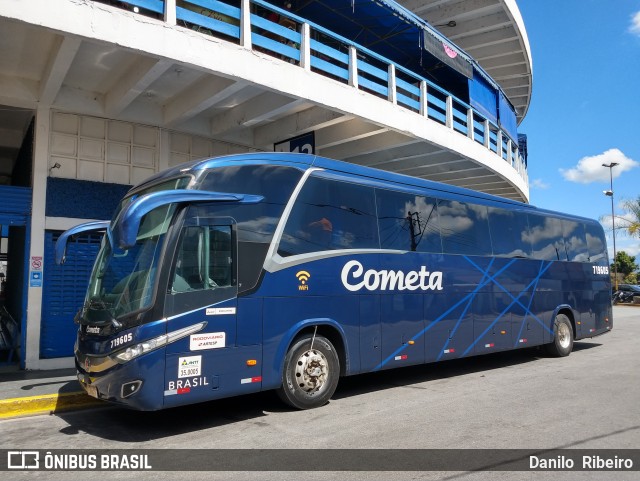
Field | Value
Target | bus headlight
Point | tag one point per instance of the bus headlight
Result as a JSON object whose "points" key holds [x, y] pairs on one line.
{"points": [[139, 349]]}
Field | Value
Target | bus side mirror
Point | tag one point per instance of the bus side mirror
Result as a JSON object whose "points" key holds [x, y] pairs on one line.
{"points": [[61, 243], [127, 224]]}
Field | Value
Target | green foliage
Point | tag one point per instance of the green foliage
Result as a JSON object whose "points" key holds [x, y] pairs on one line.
{"points": [[633, 216], [624, 263], [631, 278]]}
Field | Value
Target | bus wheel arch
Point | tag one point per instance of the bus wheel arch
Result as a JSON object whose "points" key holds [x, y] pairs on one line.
{"points": [[312, 366], [564, 333]]}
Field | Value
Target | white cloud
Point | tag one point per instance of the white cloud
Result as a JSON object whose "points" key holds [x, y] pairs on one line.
{"points": [[634, 28], [622, 222], [630, 247], [590, 169], [539, 184]]}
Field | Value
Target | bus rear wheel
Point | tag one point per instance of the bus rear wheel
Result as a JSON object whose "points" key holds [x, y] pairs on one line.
{"points": [[562, 344], [311, 371]]}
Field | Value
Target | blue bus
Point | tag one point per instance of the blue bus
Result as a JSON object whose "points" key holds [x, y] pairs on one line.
{"points": [[263, 271]]}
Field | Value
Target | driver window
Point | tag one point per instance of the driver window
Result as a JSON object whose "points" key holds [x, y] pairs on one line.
{"points": [[204, 259]]}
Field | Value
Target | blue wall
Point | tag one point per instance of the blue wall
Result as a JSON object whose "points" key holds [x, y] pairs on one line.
{"points": [[65, 286], [83, 199]]}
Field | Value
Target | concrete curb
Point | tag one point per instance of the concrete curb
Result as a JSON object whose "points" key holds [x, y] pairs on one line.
{"points": [[46, 403]]}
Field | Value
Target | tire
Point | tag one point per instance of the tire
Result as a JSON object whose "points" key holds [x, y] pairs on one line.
{"points": [[310, 376], [562, 344]]}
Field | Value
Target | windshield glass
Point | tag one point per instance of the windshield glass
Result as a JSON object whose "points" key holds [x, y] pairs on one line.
{"points": [[123, 281]]}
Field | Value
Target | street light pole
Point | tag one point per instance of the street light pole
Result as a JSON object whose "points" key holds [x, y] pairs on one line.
{"points": [[609, 193]]}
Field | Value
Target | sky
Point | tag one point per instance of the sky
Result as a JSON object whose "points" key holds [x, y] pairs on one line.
{"points": [[585, 108]]}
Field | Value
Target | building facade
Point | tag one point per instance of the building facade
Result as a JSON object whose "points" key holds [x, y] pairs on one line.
{"points": [[95, 96]]}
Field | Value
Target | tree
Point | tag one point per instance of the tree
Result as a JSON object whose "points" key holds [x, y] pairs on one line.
{"points": [[633, 217], [631, 278], [625, 264]]}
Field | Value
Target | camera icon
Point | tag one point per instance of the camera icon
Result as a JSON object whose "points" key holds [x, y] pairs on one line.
{"points": [[23, 460]]}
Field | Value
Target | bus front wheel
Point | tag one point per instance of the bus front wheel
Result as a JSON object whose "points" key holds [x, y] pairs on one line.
{"points": [[311, 371], [562, 344]]}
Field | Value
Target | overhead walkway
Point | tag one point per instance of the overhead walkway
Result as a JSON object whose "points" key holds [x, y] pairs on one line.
{"points": [[251, 75]]}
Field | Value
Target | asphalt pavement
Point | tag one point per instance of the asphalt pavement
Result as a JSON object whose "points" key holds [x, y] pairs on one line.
{"points": [[28, 393]]}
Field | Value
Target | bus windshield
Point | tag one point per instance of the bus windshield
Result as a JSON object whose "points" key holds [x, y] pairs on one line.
{"points": [[123, 281]]}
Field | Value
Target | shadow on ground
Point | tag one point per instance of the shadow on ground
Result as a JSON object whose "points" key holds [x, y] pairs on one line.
{"points": [[122, 425]]}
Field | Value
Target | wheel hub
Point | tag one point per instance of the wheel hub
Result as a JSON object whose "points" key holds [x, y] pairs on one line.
{"points": [[564, 336], [311, 371]]}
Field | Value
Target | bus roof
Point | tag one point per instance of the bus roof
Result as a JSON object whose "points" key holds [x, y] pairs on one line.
{"points": [[358, 172]]}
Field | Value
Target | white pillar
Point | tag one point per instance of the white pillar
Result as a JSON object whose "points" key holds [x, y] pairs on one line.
{"points": [[305, 47], [487, 135], [39, 199], [353, 66], [391, 84], [449, 118], [245, 24], [470, 125], [170, 12], [424, 100]]}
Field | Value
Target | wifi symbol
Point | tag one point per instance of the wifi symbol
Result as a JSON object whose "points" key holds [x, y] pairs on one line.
{"points": [[303, 276]]}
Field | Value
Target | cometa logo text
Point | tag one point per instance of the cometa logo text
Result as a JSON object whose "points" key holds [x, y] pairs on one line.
{"points": [[354, 278]]}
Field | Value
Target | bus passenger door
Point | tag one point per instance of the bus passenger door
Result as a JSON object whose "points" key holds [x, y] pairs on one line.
{"points": [[202, 286]]}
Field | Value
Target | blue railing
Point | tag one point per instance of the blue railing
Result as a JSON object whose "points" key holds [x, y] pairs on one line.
{"points": [[209, 16], [155, 6], [259, 25]]}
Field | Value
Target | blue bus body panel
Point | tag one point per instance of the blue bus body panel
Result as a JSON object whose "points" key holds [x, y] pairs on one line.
{"points": [[221, 371], [485, 305], [288, 317]]}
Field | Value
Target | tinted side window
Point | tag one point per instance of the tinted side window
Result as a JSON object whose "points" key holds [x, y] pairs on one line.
{"points": [[464, 228], [596, 242], [204, 271], [256, 223], [509, 233], [204, 259], [575, 241], [331, 215], [274, 182], [408, 222], [546, 237]]}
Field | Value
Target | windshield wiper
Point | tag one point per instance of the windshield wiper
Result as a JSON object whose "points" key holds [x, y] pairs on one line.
{"points": [[99, 304], [101, 315]]}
